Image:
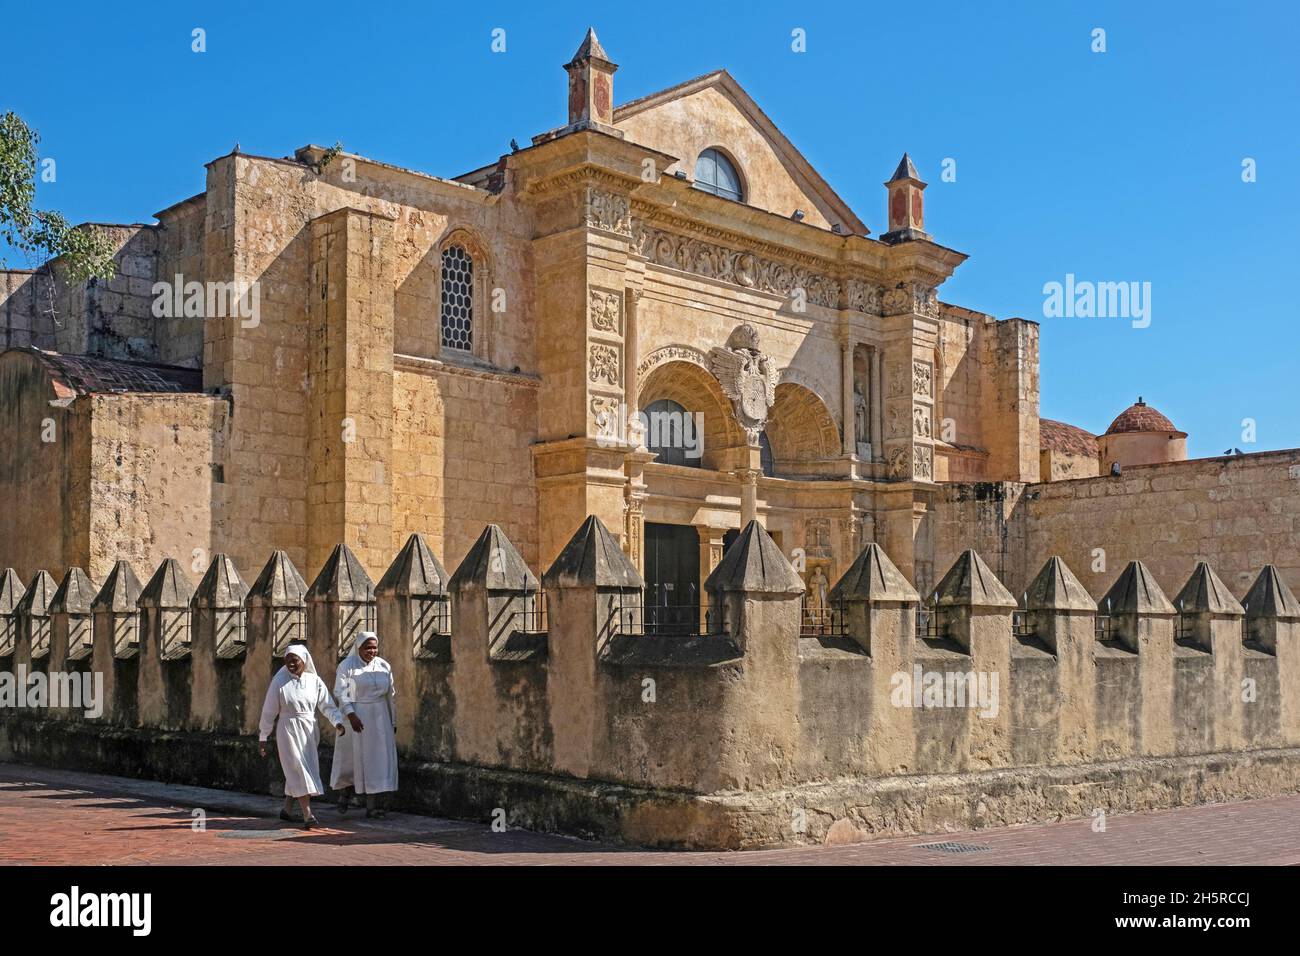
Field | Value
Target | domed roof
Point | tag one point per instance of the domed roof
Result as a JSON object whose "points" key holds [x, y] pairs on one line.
{"points": [[1140, 417]]}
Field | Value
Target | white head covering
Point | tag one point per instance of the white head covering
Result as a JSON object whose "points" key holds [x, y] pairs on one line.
{"points": [[300, 651], [366, 636]]}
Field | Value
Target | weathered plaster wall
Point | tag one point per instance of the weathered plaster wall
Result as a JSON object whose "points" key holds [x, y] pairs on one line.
{"points": [[686, 126], [43, 484], [151, 479]]}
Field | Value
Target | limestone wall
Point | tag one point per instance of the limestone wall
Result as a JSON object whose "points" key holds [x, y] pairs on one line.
{"points": [[1237, 513], [383, 289], [24, 309], [180, 239], [461, 457], [105, 317], [754, 710]]}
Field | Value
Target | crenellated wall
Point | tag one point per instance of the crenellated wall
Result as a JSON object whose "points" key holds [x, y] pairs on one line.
{"points": [[552, 700]]}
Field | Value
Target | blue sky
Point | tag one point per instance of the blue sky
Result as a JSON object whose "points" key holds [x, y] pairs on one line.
{"points": [[1117, 166]]}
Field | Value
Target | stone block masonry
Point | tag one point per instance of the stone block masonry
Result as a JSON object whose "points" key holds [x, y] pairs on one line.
{"points": [[549, 698]]}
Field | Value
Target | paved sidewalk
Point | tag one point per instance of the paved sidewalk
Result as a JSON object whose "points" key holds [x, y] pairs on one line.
{"points": [[63, 817]]}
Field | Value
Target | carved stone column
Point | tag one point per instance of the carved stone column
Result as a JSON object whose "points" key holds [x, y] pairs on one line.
{"points": [[631, 359], [634, 528], [711, 544], [846, 397], [877, 405], [749, 490]]}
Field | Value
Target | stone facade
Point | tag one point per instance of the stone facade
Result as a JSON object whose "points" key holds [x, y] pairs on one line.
{"points": [[376, 353]]}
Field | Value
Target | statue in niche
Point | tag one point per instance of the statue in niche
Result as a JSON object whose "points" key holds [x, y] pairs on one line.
{"points": [[815, 600], [861, 403]]}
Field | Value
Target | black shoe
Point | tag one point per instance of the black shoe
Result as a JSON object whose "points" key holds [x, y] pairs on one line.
{"points": [[309, 823], [286, 815], [343, 806]]}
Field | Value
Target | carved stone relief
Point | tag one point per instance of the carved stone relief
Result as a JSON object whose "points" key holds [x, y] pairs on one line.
{"points": [[899, 462], [923, 462], [732, 265], [817, 537], [747, 377], [898, 380], [606, 310], [916, 297], [865, 296], [922, 379], [604, 364], [921, 421], [609, 211]]}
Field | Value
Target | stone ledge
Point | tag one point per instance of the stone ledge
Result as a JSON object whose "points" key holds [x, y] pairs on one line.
{"points": [[858, 809]]}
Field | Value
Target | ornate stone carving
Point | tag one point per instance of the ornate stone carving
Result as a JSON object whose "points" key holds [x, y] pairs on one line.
{"points": [[898, 426], [608, 211], [604, 413], [633, 526], [899, 462], [747, 377], [817, 537], [606, 311], [604, 364], [671, 353], [865, 296], [861, 399], [916, 297], [898, 380], [735, 266], [922, 379], [923, 462], [921, 421]]}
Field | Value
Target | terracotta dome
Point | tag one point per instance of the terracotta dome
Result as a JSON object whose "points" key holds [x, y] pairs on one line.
{"points": [[1140, 417]]}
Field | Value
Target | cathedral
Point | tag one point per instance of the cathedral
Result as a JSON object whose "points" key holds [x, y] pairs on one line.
{"points": [[657, 313]]}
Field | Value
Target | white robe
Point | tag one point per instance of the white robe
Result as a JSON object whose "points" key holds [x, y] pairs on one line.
{"points": [[366, 761], [294, 701]]}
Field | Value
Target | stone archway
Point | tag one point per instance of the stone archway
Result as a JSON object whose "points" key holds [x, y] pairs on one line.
{"points": [[696, 390], [801, 428]]}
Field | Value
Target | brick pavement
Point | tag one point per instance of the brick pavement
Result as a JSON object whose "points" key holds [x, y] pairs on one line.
{"points": [[64, 817]]}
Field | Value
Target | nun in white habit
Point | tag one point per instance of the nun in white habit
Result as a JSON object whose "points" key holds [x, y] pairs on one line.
{"points": [[293, 698], [366, 760]]}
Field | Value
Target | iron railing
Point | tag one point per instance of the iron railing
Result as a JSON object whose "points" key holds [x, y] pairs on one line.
{"points": [[1020, 624], [821, 620], [649, 614], [532, 619]]}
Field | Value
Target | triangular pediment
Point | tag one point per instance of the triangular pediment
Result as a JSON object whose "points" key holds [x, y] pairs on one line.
{"points": [[714, 111]]}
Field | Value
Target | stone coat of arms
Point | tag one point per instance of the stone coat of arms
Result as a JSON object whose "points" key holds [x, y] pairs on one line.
{"points": [[747, 377]]}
